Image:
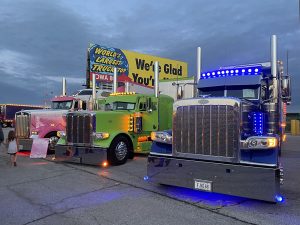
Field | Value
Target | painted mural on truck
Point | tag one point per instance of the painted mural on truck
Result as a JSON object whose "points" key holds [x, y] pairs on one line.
{"points": [[131, 66]]}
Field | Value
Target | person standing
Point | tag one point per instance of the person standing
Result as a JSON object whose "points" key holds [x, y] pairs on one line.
{"points": [[13, 147]]}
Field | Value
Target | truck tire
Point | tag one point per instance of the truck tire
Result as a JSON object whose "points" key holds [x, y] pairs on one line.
{"points": [[118, 151]]}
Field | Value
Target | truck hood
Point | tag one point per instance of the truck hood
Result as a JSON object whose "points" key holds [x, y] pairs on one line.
{"points": [[112, 121], [45, 121]]}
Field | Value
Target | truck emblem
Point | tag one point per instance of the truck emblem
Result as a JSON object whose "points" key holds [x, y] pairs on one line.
{"points": [[203, 101]]}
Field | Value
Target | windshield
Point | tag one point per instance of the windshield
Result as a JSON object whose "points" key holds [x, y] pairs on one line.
{"points": [[246, 92], [119, 106], [62, 105]]}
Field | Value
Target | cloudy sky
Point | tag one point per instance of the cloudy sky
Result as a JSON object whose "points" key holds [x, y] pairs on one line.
{"points": [[41, 41]]}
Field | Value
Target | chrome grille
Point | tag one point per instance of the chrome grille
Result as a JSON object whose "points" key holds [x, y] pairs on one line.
{"points": [[79, 128], [206, 130], [22, 125]]}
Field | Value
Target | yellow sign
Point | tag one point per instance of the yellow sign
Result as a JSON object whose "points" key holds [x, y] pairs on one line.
{"points": [[131, 66]]}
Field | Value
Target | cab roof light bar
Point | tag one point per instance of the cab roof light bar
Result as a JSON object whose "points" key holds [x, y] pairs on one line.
{"points": [[237, 71]]}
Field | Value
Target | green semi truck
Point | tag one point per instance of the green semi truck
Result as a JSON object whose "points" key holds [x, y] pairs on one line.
{"points": [[112, 134]]}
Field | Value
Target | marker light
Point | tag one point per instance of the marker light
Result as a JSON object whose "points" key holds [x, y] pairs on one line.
{"points": [[122, 93], [272, 142], [258, 123], [233, 71], [146, 178], [105, 164], [279, 198], [284, 137]]}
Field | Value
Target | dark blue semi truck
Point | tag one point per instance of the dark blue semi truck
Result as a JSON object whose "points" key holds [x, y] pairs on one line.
{"points": [[8, 111], [228, 139]]}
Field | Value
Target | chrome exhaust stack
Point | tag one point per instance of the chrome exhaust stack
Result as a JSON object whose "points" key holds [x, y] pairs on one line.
{"points": [[64, 86], [156, 77]]}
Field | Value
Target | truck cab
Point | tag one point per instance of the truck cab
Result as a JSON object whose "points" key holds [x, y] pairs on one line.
{"points": [[228, 139], [120, 128], [46, 122]]}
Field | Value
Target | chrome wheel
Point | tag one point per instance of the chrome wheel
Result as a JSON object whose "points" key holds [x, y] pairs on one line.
{"points": [[121, 150]]}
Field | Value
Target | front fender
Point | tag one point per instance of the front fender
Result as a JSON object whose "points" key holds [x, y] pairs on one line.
{"points": [[105, 143]]}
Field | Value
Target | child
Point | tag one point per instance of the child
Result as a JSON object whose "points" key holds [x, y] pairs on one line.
{"points": [[13, 147]]}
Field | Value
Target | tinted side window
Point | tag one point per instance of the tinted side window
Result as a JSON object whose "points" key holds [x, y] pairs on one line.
{"points": [[86, 92]]}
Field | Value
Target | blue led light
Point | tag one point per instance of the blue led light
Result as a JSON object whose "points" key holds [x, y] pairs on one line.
{"points": [[235, 71], [146, 178], [279, 198], [257, 123]]}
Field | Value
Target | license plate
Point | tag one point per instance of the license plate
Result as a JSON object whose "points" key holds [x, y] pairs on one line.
{"points": [[203, 185]]}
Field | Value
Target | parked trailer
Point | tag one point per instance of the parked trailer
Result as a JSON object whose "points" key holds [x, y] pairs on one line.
{"points": [[228, 139], [8, 111]]}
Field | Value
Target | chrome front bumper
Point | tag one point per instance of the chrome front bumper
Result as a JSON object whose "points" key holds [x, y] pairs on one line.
{"points": [[81, 154], [25, 144], [248, 181]]}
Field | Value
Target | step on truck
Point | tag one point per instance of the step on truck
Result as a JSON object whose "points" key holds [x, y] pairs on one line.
{"points": [[228, 139], [114, 133]]}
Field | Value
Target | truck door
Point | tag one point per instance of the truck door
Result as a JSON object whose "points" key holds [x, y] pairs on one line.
{"points": [[148, 107]]}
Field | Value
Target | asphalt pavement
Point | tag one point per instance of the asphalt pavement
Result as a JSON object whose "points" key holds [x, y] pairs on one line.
{"points": [[43, 191]]}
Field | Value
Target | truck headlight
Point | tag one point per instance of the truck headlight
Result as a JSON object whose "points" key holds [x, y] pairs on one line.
{"points": [[61, 134], [100, 135], [162, 137], [262, 142]]}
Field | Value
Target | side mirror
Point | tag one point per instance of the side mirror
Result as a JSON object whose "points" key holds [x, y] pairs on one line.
{"points": [[286, 89]]}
